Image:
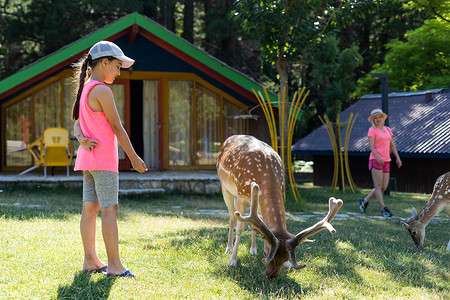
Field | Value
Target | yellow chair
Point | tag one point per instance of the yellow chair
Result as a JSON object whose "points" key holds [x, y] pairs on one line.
{"points": [[56, 149], [53, 149]]}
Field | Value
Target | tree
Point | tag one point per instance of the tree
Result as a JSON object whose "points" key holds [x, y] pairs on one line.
{"points": [[420, 62], [32, 29], [333, 73], [284, 32], [439, 8], [368, 24], [371, 25]]}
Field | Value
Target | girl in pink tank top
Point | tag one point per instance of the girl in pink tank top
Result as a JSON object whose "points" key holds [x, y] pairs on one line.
{"points": [[98, 127], [381, 146], [95, 126]]}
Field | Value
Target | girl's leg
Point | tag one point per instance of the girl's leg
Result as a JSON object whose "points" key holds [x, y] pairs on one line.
{"points": [[87, 230], [372, 192], [386, 177], [370, 196], [378, 182], [111, 238]]}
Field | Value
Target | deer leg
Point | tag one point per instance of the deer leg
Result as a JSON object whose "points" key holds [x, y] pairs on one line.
{"points": [[253, 250], [448, 245], [229, 201], [240, 206]]}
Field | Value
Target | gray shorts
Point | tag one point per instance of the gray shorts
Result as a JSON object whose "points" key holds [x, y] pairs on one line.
{"points": [[102, 187]]}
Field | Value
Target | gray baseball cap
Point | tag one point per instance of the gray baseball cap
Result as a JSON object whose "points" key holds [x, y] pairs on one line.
{"points": [[106, 48]]}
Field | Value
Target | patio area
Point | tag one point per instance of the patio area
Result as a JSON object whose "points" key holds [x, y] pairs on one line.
{"points": [[199, 181]]}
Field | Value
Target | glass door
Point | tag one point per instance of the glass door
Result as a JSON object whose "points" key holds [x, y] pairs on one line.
{"points": [[181, 97], [121, 91], [151, 123]]}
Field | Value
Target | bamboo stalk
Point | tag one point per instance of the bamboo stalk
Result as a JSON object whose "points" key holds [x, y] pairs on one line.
{"points": [[296, 111], [275, 146], [349, 176], [329, 128], [266, 113], [281, 127], [346, 164], [341, 160], [293, 185]]}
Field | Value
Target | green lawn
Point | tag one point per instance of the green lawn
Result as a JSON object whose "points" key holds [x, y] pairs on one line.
{"points": [[176, 248]]}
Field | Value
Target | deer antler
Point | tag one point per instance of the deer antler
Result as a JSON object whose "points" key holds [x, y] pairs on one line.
{"points": [[334, 205], [259, 225]]}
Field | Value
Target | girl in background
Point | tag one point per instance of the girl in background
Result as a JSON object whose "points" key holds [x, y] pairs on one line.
{"points": [[98, 127], [381, 146]]}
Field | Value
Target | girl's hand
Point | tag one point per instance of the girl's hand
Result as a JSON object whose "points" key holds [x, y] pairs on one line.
{"points": [[138, 164], [380, 161], [399, 163], [88, 144]]}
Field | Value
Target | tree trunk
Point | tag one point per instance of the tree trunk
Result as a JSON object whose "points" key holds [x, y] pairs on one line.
{"points": [[228, 42], [168, 16], [208, 38], [188, 21], [283, 122]]}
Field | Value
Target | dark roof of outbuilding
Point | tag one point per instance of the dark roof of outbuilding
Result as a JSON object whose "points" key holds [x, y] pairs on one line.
{"points": [[421, 128]]}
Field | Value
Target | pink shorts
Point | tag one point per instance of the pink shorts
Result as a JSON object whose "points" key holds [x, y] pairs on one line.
{"points": [[373, 163]]}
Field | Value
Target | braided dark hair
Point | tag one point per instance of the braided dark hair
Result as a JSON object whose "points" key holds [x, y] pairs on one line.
{"points": [[83, 70]]}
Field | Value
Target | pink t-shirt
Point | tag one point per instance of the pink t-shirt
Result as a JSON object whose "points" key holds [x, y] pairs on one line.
{"points": [[382, 142], [95, 126]]}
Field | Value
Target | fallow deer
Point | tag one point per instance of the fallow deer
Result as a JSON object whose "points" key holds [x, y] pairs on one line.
{"points": [[252, 171], [439, 200]]}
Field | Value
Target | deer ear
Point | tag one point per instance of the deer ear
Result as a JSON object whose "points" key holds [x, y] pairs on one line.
{"points": [[413, 213], [405, 225]]}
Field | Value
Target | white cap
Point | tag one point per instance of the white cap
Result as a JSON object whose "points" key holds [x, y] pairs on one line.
{"points": [[105, 48]]}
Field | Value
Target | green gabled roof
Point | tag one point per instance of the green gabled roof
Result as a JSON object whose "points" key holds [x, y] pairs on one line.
{"points": [[86, 42]]}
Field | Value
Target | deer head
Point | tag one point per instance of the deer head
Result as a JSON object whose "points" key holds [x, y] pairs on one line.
{"points": [[252, 171], [280, 250], [415, 228], [439, 200]]}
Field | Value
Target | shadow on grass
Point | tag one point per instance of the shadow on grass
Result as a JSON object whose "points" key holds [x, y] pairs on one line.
{"points": [[40, 202], [209, 244], [381, 247], [250, 275], [84, 286], [359, 247]]}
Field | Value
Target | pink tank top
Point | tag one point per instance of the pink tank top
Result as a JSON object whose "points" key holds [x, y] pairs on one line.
{"points": [[95, 125], [382, 142]]}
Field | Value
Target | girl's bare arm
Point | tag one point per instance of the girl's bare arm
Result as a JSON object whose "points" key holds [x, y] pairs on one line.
{"points": [[105, 97], [394, 150], [372, 148], [85, 142]]}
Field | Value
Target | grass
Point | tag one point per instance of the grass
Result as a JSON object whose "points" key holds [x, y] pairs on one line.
{"points": [[177, 251]]}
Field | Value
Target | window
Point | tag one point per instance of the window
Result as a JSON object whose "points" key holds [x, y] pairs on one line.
{"points": [[195, 128], [69, 98], [208, 125], [119, 98], [181, 94], [27, 119], [232, 126], [151, 124], [47, 108], [18, 132]]}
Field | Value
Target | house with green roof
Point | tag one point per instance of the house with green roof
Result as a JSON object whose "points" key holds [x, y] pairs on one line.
{"points": [[177, 102]]}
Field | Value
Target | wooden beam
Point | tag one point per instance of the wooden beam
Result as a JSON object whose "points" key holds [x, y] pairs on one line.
{"points": [[133, 33]]}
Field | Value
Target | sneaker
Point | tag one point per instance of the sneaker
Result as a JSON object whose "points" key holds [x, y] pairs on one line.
{"points": [[386, 213], [363, 205]]}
